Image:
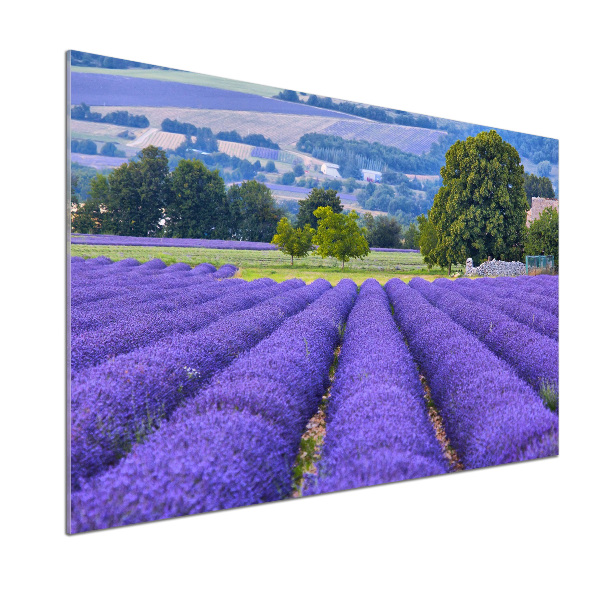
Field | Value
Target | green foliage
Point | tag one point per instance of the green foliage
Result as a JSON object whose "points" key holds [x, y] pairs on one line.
{"points": [[427, 240], [339, 235], [295, 242], [82, 112], [74, 198], [544, 168], [138, 193], [288, 178], [257, 139], [480, 210], [289, 96], [84, 147], [299, 170], [110, 149], [84, 177], [411, 237], [197, 205], [538, 187], [332, 184], [270, 167], [542, 235], [254, 213], [549, 395], [362, 154], [350, 184], [382, 231], [316, 198]]}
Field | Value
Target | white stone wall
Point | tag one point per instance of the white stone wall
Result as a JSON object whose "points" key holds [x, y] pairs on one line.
{"points": [[495, 268]]}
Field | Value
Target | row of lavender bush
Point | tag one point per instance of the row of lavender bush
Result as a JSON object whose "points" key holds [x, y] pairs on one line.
{"points": [[143, 328], [542, 293], [532, 355], [121, 401], [235, 443], [378, 430], [491, 415], [511, 304]]}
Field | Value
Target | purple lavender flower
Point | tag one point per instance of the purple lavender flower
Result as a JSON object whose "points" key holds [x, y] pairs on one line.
{"points": [[377, 425], [491, 416]]}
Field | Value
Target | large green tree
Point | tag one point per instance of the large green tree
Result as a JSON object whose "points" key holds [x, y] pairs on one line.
{"points": [[481, 207], [138, 194], [339, 235], [294, 242], [254, 212], [197, 203], [317, 197], [542, 235]]}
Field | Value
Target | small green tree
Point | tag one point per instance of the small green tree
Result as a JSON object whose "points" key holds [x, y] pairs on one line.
{"points": [[339, 235], [288, 178], [538, 187], [254, 212], [542, 236], [295, 242], [317, 197], [411, 237], [426, 240]]}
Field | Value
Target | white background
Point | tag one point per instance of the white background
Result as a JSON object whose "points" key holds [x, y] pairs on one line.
{"points": [[520, 531]]}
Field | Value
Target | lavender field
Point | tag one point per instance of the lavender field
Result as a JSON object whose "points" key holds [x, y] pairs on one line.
{"points": [[194, 391], [115, 90], [123, 240]]}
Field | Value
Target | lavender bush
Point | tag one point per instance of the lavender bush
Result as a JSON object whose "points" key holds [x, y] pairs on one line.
{"points": [[121, 401], [234, 444], [378, 430], [155, 321], [510, 304], [490, 415], [532, 355]]}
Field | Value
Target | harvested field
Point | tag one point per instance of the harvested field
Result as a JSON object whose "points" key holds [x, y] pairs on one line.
{"points": [[161, 139], [235, 149], [415, 140], [284, 130]]}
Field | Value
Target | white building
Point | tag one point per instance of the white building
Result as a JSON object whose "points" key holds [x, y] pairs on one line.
{"points": [[331, 170], [369, 175]]}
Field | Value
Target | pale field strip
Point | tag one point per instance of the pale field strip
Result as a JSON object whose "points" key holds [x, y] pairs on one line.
{"points": [[161, 139], [283, 129], [89, 128], [235, 149]]}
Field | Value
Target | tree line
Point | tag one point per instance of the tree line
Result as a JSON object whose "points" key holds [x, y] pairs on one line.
{"points": [[374, 113], [90, 147], [82, 112], [144, 198], [206, 140]]}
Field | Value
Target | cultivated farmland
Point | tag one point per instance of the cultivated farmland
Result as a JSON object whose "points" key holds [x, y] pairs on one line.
{"points": [[284, 130], [415, 140], [192, 391], [243, 151], [100, 90], [161, 139]]}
